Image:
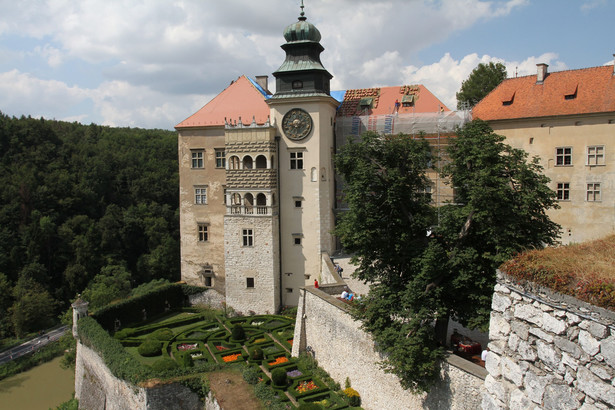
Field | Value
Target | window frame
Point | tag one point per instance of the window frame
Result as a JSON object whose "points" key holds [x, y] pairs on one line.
{"points": [[247, 237], [595, 190], [220, 154], [563, 191], [197, 156], [598, 158], [203, 232], [563, 155], [296, 160], [200, 198]]}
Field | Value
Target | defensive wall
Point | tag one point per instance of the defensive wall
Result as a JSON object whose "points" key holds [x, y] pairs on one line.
{"points": [[548, 350], [325, 329]]}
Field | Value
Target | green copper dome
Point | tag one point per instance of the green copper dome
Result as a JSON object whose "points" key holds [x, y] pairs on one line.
{"points": [[301, 31]]}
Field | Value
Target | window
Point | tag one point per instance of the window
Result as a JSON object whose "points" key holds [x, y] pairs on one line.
{"points": [[593, 192], [234, 162], [297, 84], [563, 191], [289, 290], [203, 232], [249, 282], [208, 281], [197, 158], [200, 195], [298, 203], [297, 240], [220, 158], [248, 237], [563, 156], [426, 192], [595, 155], [296, 160]]}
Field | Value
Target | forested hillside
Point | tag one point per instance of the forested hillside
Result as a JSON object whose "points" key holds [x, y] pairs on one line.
{"points": [[83, 209]]}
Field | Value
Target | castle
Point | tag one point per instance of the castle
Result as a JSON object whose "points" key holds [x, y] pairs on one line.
{"points": [[258, 193]]}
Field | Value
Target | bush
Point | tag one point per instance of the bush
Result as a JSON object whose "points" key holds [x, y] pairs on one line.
{"points": [[150, 347], [250, 374], [238, 332], [353, 397], [279, 378], [256, 354], [164, 365], [185, 359], [163, 334], [124, 333]]}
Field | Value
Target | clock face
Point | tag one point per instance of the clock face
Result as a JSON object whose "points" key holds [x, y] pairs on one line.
{"points": [[297, 124]]}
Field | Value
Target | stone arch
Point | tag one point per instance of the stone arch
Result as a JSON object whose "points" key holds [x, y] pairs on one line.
{"points": [[261, 162], [261, 199], [248, 201], [248, 163], [234, 162]]}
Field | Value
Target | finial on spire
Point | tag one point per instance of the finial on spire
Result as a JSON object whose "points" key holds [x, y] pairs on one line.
{"points": [[302, 12]]}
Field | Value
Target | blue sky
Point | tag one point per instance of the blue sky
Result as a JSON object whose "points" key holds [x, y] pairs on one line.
{"points": [[152, 63]]}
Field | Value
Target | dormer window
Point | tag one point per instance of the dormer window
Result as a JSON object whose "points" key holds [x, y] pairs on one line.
{"points": [[571, 94], [366, 103], [509, 99], [408, 100]]}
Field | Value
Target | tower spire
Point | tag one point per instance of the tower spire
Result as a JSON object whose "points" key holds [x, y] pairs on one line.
{"points": [[302, 18]]}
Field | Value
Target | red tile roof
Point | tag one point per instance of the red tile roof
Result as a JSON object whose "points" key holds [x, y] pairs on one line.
{"points": [[589, 90], [384, 98], [240, 99]]}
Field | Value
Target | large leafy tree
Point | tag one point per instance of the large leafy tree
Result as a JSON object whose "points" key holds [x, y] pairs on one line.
{"points": [[423, 270], [480, 82]]}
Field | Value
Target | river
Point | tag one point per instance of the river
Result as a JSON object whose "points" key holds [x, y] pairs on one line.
{"points": [[43, 387]]}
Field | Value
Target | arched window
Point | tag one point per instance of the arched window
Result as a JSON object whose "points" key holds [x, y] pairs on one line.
{"points": [[234, 162], [248, 201], [235, 203], [314, 175], [261, 162], [261, 204], [247, 162]]}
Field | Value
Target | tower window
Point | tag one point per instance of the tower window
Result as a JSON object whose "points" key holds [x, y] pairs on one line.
{"points": [[297, 84], [220, 158], [203, 232], [197, 158], [249, 282], [248, 237], [296, 160]]}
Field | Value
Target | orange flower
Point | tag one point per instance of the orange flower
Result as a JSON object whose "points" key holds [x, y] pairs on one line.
{"points": [[231, 357], [281, 359]]}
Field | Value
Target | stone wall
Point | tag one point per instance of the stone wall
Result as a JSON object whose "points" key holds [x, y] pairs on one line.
{"points": [[548, 350], [325, 328], [96, 388]]}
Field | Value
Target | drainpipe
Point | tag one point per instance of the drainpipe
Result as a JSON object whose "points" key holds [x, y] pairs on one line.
{"points": [[277, 143]]}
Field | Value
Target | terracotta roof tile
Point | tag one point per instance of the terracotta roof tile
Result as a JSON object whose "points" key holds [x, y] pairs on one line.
{"points": [[585, 91], [240, 99], [383, 101]]}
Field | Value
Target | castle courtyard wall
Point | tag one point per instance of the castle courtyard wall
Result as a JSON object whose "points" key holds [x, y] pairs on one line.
{"points": [[548, 350], [325, 328]]}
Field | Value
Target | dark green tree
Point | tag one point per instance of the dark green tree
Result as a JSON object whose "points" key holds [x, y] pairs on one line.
{"points": [[480, 82], [423, 270]]}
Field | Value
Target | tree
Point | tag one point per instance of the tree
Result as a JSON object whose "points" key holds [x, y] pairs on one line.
{"points": [[480, 82], [417, 280]]}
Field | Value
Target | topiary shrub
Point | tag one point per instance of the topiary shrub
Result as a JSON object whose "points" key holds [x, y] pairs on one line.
{"points": [[163, 334], [124, 333], [184, 359], [150, 347], [279, 378], [238, 333], [354, 399], [164, 365], [256, 354]]}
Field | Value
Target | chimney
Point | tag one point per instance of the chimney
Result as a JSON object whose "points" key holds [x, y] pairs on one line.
{"points": [[263, 81], [542, 72]]}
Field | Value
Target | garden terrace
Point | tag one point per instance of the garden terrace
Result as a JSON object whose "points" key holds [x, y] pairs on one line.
{"points": [[187, 343], [585, 271]]}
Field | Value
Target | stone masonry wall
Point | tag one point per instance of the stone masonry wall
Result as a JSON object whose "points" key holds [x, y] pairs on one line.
{"points": [[325, 328], [548, 351], [96, 388]]}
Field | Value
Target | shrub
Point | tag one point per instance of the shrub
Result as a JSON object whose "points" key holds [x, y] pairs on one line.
{"points": [[164, 365], [238, 333], [184, 359], [124, 333], [256, 354], [353, 397], [278, 377], [250, 374], [163, 334], [150, 347]]}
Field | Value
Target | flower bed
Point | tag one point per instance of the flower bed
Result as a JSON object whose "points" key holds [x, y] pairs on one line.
{"points": [[231, 357], [182, 347], [306, 386]]}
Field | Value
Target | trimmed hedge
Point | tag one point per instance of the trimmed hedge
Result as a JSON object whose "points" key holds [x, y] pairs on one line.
{"points": [[150, 348], [121, 364]]}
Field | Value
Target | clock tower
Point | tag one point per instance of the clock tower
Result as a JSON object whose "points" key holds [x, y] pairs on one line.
{"points": [[303, 112]]}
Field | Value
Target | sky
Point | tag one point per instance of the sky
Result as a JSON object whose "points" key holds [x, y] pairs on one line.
{"points": [[153, 63]]}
